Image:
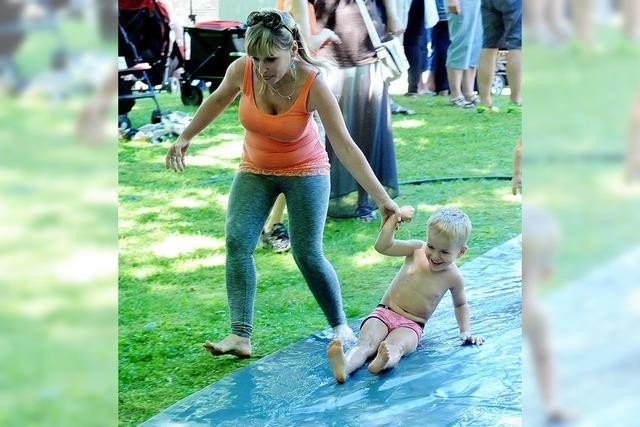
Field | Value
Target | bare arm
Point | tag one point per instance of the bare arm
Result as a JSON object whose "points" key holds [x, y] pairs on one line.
{"points": [[300, 12], [387, 245], [394, 25], [210, 109], [321, 99], [461, 308]]}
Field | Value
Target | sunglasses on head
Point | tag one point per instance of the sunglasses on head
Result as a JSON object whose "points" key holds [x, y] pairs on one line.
{"points": [[271, 20]]}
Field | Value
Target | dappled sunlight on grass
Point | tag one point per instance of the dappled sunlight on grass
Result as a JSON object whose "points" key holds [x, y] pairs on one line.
{"points": [[368, 257], [86, 265], [614, 184], [175, 245], [228, 150], [191, 265], [144, 271], [409, 124], [184, 202]]}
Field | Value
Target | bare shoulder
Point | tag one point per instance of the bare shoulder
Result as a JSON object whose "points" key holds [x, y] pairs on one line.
{"points": [[235, 71], [320, 93], [456, 278]]}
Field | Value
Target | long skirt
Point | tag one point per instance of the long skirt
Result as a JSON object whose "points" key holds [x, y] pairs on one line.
{"points": [[364, 100]]}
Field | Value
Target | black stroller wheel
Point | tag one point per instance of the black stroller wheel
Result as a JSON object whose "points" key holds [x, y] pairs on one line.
{"points": [[191, 95]]}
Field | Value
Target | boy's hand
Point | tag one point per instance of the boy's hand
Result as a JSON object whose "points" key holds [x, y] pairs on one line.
{"points": [[468, 339], [406, 213]]}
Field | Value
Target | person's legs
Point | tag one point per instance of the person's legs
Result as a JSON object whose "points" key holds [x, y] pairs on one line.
{"points": [[632, 162], [249, 202], [277, 213], [399, 342], [631, 14], [455, 82], [582, 14], [413, 41], [486, 70], [307, 201], [274, 234], [514, 74], [469, 77], [464, 29], [440, 42], [492, 32], [468, 83], [373, 331], [512, 21]]}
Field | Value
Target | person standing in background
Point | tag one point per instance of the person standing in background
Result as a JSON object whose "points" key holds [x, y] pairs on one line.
{"points": [[363, 97]]}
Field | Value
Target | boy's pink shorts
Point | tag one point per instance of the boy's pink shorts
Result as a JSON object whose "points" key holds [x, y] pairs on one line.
{"points": [[393, 320]]}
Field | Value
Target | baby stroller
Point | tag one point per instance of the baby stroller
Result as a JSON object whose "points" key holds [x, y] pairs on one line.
{"points": [[149, 53], [214, 45]]}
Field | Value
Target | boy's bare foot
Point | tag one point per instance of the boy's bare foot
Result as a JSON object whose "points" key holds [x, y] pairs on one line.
{"points": [[335, 354], [233, 344], [344, 334], [387, 357]]}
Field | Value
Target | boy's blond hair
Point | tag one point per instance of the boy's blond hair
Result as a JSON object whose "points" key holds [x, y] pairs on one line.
{"points": [[451, 222]]}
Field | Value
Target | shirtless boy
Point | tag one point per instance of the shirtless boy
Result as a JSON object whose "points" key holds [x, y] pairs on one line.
{"points": [[395, 327]]}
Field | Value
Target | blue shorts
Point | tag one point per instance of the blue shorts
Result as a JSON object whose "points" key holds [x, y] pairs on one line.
{"points": [[502, 19], [465, 32]]}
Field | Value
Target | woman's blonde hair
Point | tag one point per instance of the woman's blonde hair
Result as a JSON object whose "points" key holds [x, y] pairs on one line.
{"points": [[263, 41]]}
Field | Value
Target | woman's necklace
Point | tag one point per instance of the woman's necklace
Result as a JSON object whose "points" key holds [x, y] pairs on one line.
{"points": [[290, 96]]}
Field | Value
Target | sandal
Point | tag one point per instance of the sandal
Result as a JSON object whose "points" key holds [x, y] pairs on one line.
{"points": [[460, 102], [474, 99]]}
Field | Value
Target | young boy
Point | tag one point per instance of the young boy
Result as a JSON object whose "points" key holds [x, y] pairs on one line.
{"points": [[394, 328]]}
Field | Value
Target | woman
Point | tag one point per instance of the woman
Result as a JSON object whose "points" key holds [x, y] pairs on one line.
{"points": [[282, 153]]}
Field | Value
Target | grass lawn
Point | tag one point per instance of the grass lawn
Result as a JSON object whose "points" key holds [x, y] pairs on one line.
{"points": [[172, 294]]}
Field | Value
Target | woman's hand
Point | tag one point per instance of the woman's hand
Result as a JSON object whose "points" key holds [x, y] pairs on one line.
{"points": [[323, 38], [394, 26], [175, 156], [388, 209]]}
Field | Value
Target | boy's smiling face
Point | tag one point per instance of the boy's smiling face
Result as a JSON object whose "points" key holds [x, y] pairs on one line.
{"points": [[442, 251]]}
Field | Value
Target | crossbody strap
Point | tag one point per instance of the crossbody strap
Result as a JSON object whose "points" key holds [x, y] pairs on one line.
{"points": [[373, 34]]}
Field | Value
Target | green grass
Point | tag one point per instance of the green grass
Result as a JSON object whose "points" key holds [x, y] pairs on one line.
{"points": [[576, 129], [172, 292]]}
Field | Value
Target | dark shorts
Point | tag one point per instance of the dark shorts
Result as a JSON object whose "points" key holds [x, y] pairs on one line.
{"points": [[502, 18]]}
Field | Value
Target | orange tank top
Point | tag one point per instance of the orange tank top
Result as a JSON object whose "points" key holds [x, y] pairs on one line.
{"points": [[283, 144]]}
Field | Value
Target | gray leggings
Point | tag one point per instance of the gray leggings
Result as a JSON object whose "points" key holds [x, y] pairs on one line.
{"points": [[250, 201]]}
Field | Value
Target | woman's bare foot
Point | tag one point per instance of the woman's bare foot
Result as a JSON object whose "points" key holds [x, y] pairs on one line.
{"points": [[335, 353], [386, 358], [344, 334], [233, 344]]}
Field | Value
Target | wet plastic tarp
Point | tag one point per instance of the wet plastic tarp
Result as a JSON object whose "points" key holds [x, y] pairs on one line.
{"points": [[595, 345], [440, 384]]}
